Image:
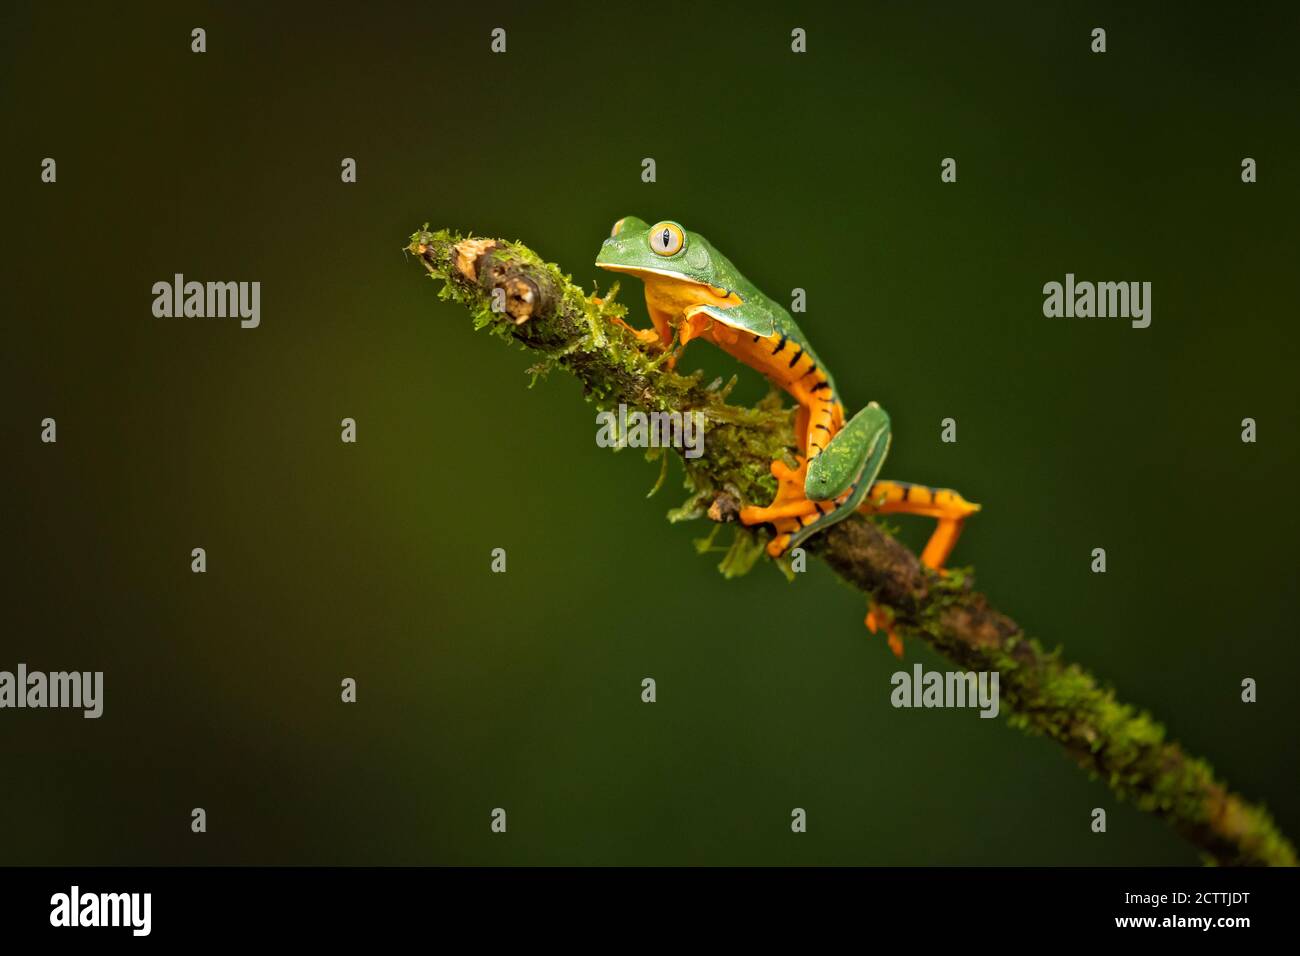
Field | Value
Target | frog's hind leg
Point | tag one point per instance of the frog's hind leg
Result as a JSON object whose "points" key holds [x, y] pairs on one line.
{"points": [[790, 501], [947, 506], [901, 497], [836, 475], [820, 416], [791, 509], [824, 419], [787, 527], [878, 616], [816, 422]]}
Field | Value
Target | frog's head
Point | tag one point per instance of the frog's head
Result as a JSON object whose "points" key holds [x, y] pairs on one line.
{"points": [[664, 249]]}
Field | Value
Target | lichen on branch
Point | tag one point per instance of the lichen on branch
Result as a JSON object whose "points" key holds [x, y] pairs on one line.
{"points": [[511, 292]]}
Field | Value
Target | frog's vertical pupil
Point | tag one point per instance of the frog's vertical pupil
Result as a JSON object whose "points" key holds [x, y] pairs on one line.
{"points": [[667, 238]]}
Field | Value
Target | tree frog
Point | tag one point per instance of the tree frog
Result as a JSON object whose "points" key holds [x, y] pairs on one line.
{"points": [[693, 291]]}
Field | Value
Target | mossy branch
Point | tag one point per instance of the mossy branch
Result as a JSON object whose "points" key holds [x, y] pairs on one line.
{"points": [[538, 306]]}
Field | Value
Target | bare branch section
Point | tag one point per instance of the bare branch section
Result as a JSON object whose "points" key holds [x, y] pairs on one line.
{"points": [[514, 294]]}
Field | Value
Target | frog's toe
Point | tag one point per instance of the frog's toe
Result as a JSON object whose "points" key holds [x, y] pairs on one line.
{"points": [[783, 473], [879, 616], [789, 501], [777, 511], [644, 336], [785, 529]]}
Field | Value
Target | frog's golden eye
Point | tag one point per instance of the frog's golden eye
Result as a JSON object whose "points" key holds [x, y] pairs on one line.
{"points": [[618, 227], [666, 238]]}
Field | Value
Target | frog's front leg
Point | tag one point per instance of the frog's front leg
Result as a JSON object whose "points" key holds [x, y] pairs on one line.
{"points": [[645, 336], [661, 333]]}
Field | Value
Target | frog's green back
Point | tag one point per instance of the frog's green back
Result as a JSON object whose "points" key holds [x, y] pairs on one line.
{"points": [[761, 308]]}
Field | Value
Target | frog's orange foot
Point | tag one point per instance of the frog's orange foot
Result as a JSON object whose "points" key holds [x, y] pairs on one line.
{"points": [[790, 510], [644, 336], [785, 527], [879, 616], [787, 476], [789, 501], [787, 509]]}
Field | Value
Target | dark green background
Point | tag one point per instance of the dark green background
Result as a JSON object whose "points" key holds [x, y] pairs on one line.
{"points": [[522, 690]]}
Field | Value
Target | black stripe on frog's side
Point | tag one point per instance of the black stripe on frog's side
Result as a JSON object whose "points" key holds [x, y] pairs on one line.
{"points": [[797, 356], [781, 346], [827, 393]]}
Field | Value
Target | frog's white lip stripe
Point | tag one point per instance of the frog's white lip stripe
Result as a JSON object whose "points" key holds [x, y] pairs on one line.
{"points": [[659, 272]]}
